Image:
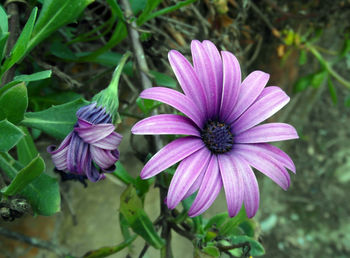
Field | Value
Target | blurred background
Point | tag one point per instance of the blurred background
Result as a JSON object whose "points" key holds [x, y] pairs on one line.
{"points": [[303, 45]]}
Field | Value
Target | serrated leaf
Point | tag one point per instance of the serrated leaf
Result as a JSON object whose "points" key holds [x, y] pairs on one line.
{"points": [[132, 210], [26, 150], [10, 135], [13, 103], [55, 14], [43, 193], [25, 176], [33, 77], [56, 121], [21, 47]]}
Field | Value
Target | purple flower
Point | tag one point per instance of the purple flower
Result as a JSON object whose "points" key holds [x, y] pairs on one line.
{"points": [[91, 148], [223, 138]]}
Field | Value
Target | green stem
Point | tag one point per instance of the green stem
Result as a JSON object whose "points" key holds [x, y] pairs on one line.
{"points": [[328, 67]]}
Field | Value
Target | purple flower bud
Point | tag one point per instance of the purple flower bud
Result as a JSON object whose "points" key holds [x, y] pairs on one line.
{"points": [[91, 148]]}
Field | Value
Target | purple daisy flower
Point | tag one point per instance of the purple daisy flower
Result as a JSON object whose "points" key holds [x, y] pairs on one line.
{"points": [[224, 140], [91, 148]]}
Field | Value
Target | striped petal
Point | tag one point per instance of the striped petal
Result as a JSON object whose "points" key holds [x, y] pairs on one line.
{"points": [[111, 142], [93, 133], [271, 132], [264, 163], [250, 89], [231, 175], [195, 186], [178, 101], [209, 189], [271, 100], [166, 124], [103, 158], [170, 154], [251, 190], [216, 62], [185, 175], [231, 84], [186, 76], [204, 68], [59, 155]]}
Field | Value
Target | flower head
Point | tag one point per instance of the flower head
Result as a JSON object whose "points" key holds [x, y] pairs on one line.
{"points": [[224, 140], [91, 148]]}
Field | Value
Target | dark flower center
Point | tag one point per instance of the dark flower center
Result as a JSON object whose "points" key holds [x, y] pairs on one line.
{"points": [[217, 137]]}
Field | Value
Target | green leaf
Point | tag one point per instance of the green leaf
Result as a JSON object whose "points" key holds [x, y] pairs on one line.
{"points": [[3, 41], [217, 220], [56, 121], [302, 83], [248, 227], [10, 135], [20, 49], [347, 101], [318, 78], [211, 250], [43, 193], [332, 91], [13, 103], [138, 5], [132, 210], [345, 48], [3, 20], [230, 226], [55, 14], [122, 174], [26, 150], [25, 176], [150, 6], [34, 77], [256, 249], [147, 105], [164, 80], [302, 57]]}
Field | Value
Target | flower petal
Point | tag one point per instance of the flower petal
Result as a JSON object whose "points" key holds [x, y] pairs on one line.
{"points": [[264, 163], [194, 187], [231, 175], [176, 100], [92, 172], [171, 154], [204, 68], [250, 89], [59, 155], [73, 153], [103, 158], [111, 142], [188, 79], [271, 100], [165, 124], [275, 153], [209, 189], [231, 84], [216, 62], [185, 175], [270, 132], [95, 132], [251, 190]]}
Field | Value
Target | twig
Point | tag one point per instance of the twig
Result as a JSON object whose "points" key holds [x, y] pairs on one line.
{"points": [[63, 76], [182, 232], [14, 29], [34, 242], [225, 248], [144, 250]]}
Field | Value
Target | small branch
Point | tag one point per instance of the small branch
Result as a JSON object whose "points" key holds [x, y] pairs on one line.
{"points": [[226, 248], [144, 250], [34, 242], [182, 232]]}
